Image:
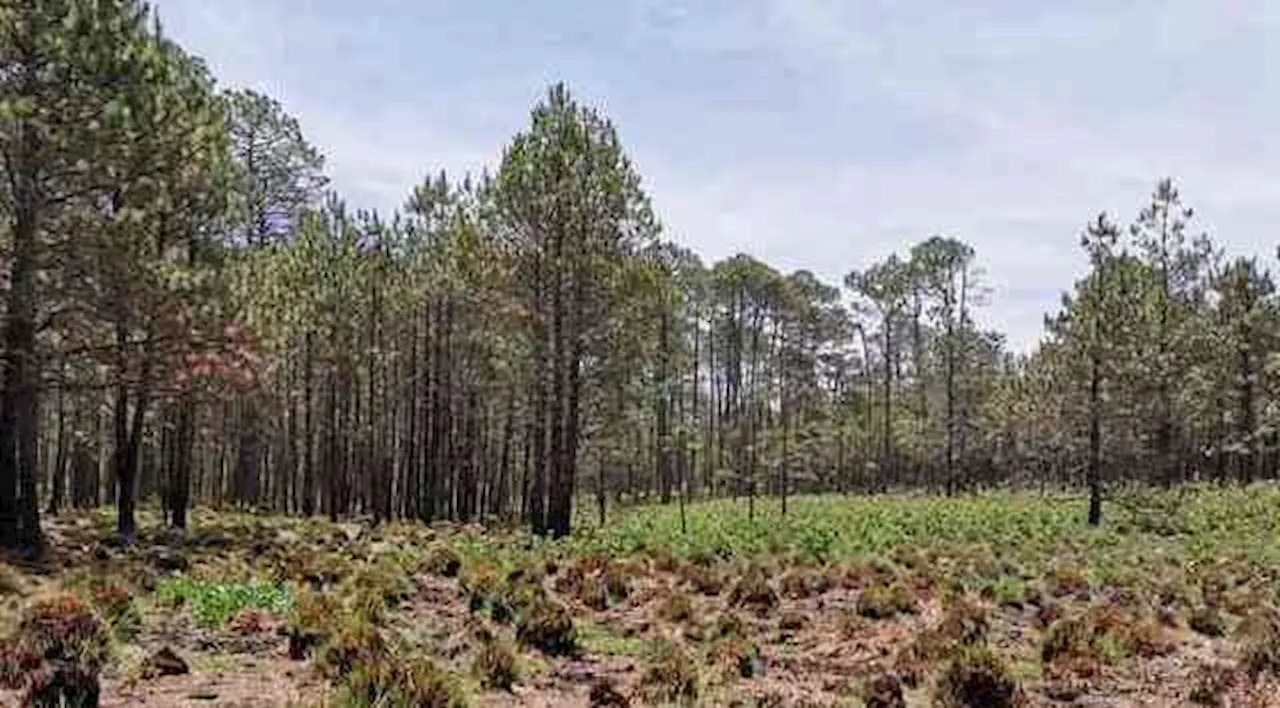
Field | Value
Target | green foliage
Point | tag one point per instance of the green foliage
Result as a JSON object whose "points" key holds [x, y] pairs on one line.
{"points": [[215, 603], [1006, 591]]}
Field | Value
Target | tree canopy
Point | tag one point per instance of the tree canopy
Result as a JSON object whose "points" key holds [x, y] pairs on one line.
{"points": [[193, 316]]}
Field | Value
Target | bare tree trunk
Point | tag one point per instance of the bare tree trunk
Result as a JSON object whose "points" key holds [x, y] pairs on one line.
{"points": [[1095, 441]]}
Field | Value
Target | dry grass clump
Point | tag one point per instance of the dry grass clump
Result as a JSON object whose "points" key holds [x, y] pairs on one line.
{"points": [[415, 681], [1260, 643], [977, 678], [308, 622], [670, 676], [377, 587], [1101, 636], [964, 624], [883, 690], [443, 561], [677, 608], [753, 591], [353, 643], [1207, 620], [546, 625], [1063, 581], [885, 601], [604, 694], [792, 621], [57, 653], [707, 580], [805, 582], [965, 621], [495, 665], [1211, 684], [606, 587], [115, 603], [736, 657]]}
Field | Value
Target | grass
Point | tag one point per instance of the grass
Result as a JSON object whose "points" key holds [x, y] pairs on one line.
{"points": [[216, 603], [603, 640], [1032, 531], [921, 584]]}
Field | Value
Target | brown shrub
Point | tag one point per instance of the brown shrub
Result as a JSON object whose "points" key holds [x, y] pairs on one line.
{"points": [[354, 643], [604, 694], [1260, 637]]}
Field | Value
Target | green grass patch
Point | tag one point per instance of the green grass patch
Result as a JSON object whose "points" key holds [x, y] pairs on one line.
{"points": [[600, 639], [214, 603]]}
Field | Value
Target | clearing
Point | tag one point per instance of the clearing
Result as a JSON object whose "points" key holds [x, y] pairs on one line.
{"points": [[987, 600]]}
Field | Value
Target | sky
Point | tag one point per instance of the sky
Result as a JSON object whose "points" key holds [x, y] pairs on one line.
{"points": [[815, 134]]}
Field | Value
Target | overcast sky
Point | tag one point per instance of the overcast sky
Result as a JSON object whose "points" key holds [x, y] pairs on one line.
{"points": [[818, 134]]}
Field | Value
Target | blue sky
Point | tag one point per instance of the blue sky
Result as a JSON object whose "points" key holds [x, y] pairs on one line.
{"points": [[819, 134]]}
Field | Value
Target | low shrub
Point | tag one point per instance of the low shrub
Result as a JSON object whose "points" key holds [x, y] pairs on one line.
{"points": [[1260, 643], [353, 643]]}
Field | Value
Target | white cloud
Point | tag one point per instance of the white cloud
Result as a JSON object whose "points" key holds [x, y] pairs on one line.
{"points": [[812, 133]]}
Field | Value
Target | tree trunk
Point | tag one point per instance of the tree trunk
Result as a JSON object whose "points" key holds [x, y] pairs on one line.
{"points": [[19, 398], [1095, 441], [180, 479]]}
